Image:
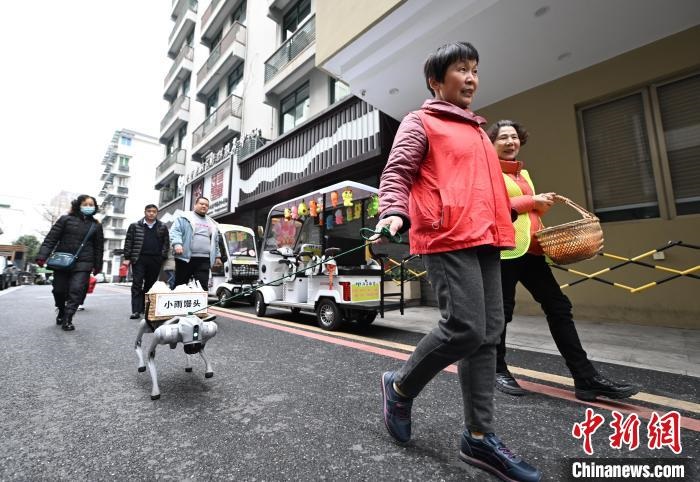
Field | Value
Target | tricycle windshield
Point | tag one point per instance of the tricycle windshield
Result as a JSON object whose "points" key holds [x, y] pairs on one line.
{"points": [[240, 243]]}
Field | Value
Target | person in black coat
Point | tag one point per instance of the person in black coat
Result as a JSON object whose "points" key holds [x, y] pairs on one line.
{"points": [[66, 235], [145, 248]]}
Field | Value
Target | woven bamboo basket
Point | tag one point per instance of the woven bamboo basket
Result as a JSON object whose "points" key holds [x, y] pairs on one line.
{"points": [[574, 241]]}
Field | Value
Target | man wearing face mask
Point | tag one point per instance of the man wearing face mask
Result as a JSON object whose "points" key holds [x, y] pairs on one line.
{"points": [[145, 248], [72, 230], [194, 237]]}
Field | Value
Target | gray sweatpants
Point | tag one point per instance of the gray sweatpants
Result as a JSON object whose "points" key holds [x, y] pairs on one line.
{"points": [[468, 288]]}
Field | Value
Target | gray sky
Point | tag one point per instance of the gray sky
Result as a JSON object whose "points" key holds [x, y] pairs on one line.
{"points": [[73, 73]]}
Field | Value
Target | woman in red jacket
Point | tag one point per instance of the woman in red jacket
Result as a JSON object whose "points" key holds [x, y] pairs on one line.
{"points": [[442, 181], [526, 264]]}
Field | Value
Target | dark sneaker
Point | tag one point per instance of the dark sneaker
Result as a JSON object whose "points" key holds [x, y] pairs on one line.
{"points": [[67, 325], [135, 316], [397, 410], [590, 388], [59, 316], [493, 456], [507, 384]]}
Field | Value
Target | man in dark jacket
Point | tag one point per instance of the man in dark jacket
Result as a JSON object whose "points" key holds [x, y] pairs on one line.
{"points": [[145, 248]]}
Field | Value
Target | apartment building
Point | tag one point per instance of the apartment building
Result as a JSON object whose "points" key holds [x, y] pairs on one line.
{"points": [[252, 120], [127, 186], [610, 92]]}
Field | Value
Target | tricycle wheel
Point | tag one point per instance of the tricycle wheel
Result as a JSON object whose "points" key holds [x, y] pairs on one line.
{"points": [[328, 315], [365, 318], [260, 306], [224, 296]]}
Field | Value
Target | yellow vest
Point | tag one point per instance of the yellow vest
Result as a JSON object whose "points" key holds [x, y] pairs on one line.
{"points": [[522, 223]]}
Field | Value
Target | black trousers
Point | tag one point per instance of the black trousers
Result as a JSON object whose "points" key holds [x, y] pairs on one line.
{"points": [[197, 268], [536, 276], [145, 272], [69, 289]]}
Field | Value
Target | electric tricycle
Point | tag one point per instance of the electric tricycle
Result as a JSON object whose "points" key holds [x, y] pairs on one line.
{"points": [[239, 273], [314, 259]]}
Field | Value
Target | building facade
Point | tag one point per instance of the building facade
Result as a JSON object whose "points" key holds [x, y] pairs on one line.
{"points": [[613, 118], [262, 122], [126, 188]]}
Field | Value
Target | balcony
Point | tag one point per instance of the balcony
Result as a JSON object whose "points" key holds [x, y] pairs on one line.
{"points": [[214, 17], [111, 211], [227, 53], [173, 165], [181, 69], [113, 233], [224, 122], [123, 190], [186, 13], [178, 114], [292, 60]]}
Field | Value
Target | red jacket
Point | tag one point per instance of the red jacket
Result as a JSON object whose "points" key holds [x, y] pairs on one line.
{"points": [[444, 179]]}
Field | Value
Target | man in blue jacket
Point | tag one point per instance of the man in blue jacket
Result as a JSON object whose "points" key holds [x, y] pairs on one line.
{"points": [[195, 240]]}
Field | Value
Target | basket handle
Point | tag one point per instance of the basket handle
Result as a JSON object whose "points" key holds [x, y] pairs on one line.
{"points": [[562, 199]]}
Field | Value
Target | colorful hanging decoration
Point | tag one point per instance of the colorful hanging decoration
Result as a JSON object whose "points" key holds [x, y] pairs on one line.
{"points": [[295, 214], [287, 214], [347, 197], [338, 216], [358, 210], [312, 209], [373, 206], [348, 214], [334, 199], [320, 218], [329, 222], [303, 210]]}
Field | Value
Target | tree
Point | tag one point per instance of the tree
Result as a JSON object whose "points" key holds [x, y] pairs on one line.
{"points": [[32, 244]]}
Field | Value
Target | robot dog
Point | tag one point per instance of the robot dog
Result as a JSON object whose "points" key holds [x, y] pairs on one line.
{"points": [[192, 331]]}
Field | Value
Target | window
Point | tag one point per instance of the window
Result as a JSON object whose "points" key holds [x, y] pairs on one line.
{"points": [[215, 40], [294, 109], [118, 203], [679, 109], [181, 136], [212, 103], [123, 163], [125, 140], [295, 17], [186, 86], [628, 177], [339, 90], [238, 14], [234, 78], [170, 147]]}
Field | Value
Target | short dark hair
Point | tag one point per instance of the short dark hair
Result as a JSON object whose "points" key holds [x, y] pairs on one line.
{"points": [[150, 206], [437, 63], [492, 131], [75, 204], [202, 197]]}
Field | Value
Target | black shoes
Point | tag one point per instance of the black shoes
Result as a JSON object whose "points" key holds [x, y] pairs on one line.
{"points": [[507, 384], [397, 410], [492, 455], [67, 325], [59, 316], [135, 316], [590, 388]]}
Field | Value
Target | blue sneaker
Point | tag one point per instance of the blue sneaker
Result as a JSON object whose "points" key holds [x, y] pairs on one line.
{"points": [[397, 410], [493, 456]]}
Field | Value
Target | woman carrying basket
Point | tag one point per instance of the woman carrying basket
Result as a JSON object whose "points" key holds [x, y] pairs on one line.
{"points": [[71, 231], [526, 264]]}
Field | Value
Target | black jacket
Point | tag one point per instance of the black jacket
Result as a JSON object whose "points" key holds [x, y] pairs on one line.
{"points": [[67, 234], [134, 239]]}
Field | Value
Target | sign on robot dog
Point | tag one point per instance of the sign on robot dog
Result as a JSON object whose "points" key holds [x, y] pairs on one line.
{"points": [[313, 259]]}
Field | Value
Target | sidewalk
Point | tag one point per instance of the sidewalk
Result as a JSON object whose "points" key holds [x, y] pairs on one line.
{"points": [[671, 350]]}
